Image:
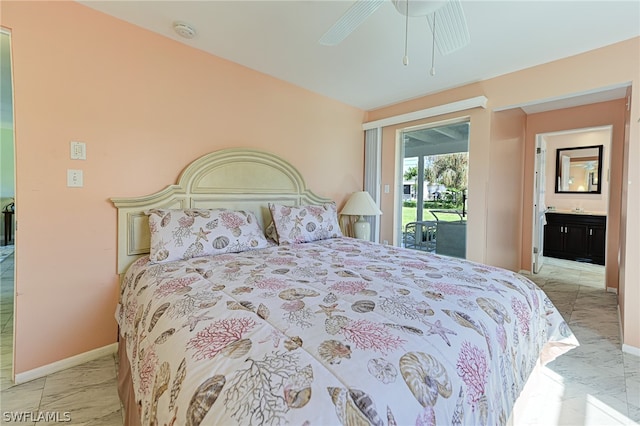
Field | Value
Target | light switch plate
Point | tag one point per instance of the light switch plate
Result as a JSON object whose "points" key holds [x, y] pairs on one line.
{"points": [[74, 178], [78, 150]]}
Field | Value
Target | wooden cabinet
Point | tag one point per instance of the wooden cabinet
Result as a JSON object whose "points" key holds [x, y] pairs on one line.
{"points": [[597, 240], [578, 237]]}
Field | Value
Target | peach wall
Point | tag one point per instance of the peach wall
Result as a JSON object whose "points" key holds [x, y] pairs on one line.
{"points": [[146, 106], [504, 206], [612, 65], [600, 114]]}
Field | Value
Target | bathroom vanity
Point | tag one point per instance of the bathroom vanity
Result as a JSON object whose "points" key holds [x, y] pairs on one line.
{"points": [[575, 236]]}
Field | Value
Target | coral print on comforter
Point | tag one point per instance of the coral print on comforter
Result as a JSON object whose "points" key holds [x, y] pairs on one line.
{"points": [[337, 331]]}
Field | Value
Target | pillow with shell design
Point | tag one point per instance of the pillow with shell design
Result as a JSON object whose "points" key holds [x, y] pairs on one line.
{"points": [[185, 233], [303, 224]]}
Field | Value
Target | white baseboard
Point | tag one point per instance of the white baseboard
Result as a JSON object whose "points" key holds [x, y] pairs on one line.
{"points": [[630, 349], [63, 364], [612, 290]]}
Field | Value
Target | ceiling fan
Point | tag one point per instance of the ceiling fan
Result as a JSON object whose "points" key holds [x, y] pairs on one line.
{"points": [[446, 20]]}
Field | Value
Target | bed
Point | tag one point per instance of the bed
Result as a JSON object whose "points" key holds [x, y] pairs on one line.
{"points": [[269, 315]]}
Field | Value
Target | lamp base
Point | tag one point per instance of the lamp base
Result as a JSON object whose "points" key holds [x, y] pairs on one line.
{"points": [[362, 229]]}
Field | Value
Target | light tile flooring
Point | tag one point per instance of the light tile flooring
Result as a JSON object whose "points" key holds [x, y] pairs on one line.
{"points": [[86, 393], [594, 384]]}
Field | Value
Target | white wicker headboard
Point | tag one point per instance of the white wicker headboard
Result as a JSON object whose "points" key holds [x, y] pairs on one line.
{"points": [[239, 179]]}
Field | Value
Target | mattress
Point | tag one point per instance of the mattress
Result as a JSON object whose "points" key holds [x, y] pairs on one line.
{"points": [[337, 331]]}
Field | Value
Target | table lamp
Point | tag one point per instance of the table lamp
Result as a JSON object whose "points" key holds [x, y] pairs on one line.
{"points": [[361, 204]]}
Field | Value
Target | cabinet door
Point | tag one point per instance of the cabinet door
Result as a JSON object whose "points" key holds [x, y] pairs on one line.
{"points": [[575, 240], [553, 239], [597, 242]]}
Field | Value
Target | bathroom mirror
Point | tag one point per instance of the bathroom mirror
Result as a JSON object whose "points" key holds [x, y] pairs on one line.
{"points": [[579, 170]]}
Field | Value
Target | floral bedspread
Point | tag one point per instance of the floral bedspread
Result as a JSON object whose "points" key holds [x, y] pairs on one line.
{"points": [[338, 331]]}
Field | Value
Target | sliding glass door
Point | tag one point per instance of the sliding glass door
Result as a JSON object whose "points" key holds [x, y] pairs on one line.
{"points": [[435, 164]]}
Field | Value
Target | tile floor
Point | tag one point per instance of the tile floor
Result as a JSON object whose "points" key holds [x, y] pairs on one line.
{"points": [[88, 393], [595, 384]]}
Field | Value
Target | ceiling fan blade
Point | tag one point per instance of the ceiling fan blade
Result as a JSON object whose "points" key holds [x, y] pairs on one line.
{"points": [[418, 7], [451, 31], [348, 22]]}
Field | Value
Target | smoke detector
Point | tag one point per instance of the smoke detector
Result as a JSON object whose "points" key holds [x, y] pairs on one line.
{"points": [[184, 30]]}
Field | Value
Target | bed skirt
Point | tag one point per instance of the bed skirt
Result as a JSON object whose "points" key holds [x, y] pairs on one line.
{"points": [[125, 387]]}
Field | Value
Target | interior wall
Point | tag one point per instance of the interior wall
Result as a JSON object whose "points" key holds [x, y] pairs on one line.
{"points": [[592, 203], [600, 68], [504, 206], [146, 106], [595, 115]]}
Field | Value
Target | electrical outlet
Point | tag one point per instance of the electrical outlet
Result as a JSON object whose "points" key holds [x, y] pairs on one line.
{"points": [[74, 178]]}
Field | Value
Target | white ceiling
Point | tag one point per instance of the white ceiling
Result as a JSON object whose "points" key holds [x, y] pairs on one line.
{"points": [[280, 38]]}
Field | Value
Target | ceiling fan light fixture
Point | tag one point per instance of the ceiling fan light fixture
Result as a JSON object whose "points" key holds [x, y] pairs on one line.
{"points": [[184, 30]]}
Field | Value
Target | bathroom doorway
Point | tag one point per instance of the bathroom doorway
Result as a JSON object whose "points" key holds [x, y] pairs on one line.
{"points": [[549, 199]]}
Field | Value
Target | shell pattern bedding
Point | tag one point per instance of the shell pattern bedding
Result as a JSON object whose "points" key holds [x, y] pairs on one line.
{"points": [[337, 331]]}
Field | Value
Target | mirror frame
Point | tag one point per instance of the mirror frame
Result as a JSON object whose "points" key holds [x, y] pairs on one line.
{"points": [[599, 175]]}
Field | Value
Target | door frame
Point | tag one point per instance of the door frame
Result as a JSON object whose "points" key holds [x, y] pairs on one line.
{"points": [[399, 175], [537, 223], [537, 237], [6, 31]]}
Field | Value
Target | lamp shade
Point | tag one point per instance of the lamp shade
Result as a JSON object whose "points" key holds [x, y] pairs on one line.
{"points": [[361, 204]]}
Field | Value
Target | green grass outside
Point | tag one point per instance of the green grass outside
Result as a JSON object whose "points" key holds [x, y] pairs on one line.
{"points": [[409, 215]]}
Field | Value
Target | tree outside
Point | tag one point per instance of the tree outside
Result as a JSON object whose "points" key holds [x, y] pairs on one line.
{"points": [[448, 170], [451, 170]]}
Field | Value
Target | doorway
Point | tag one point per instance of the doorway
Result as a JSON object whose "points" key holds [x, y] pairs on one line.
{"points": [[434, 173], [550, 198], [7, 208]]}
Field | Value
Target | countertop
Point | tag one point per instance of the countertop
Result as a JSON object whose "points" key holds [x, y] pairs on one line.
{"points": [[584, 213]]}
